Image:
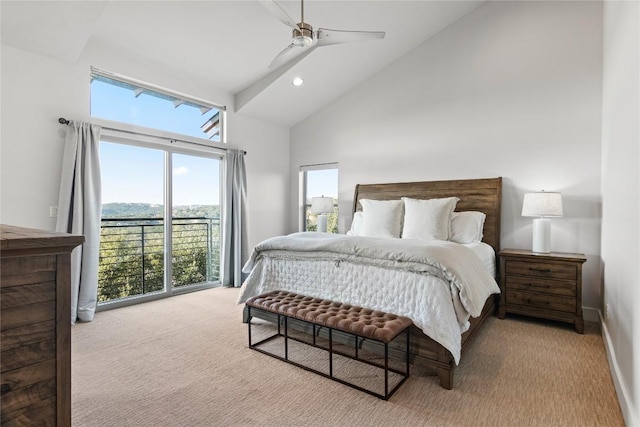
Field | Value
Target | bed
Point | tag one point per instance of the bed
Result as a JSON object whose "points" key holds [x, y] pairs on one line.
{"points": [[434, 292]]}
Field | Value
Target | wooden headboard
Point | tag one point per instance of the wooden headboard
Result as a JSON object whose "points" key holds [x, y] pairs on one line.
{"points": [[484, 195]]}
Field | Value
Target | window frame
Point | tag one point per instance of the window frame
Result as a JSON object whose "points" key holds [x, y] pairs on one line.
{"points": [[169, 148], [170, 143], [302, 179], [178, 95]]}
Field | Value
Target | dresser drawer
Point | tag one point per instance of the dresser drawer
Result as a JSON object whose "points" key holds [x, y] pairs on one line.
{"points": [[29, 334], [565, 271], [549, 286], [550, 302]]}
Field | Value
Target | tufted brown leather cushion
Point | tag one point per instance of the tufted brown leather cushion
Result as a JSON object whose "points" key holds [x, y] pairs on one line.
{"points": [[344, 317]]}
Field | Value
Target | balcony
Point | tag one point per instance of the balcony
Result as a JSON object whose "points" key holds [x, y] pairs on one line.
{"points": [[132, 255]]}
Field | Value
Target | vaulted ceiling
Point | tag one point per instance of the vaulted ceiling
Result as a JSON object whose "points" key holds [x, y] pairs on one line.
{"points": [[231, 43]]}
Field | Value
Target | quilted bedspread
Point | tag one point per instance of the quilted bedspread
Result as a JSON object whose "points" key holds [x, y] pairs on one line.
{"points": [[438, 284]]}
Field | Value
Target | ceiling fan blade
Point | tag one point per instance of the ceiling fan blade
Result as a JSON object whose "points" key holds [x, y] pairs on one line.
{"points": [[247, 94], [278, 11], [287, 54], [328, 37]]}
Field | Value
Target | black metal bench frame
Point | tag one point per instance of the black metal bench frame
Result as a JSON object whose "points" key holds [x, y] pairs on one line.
{"points": [[283, 321]]}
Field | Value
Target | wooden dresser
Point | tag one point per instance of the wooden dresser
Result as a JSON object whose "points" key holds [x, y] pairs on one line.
{"points": [[35, 323], [548, 285]]}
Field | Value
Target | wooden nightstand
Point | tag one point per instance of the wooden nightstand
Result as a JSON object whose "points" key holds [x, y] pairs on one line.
{"points": [[548, 286]]}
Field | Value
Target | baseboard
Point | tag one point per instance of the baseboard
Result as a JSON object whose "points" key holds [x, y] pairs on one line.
{"points": [[629, 413], [591, 314]]}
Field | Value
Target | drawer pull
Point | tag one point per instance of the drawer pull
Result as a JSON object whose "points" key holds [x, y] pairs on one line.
{"points": [[538, 285], [541, 270], [537, 302]]}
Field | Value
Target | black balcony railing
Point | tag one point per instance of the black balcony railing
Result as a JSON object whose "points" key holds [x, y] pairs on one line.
{"points": [[132, 255]]}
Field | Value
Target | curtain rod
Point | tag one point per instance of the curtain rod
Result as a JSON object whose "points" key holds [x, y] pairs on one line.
{"points": [[64, 121]]}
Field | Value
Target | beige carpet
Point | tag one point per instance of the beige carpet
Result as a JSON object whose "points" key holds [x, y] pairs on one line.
{"points": [[184, 361]]}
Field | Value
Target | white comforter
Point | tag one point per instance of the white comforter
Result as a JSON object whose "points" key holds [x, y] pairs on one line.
{"points": [[437, 284]]}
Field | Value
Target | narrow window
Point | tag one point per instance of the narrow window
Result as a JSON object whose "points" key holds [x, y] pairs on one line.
{"points": [[319, 181]]}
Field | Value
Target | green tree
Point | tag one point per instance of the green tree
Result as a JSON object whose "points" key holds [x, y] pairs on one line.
{"points": [[124, 270]]}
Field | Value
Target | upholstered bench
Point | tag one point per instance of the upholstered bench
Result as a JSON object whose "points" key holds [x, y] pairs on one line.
{"points": [[358, 322]]}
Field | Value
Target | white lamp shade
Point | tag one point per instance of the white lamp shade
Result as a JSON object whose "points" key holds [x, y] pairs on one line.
{"points": [[321, 205], [542, 204]]}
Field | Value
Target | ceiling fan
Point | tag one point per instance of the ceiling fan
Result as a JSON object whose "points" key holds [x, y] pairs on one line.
{"points": [[304, 41], [304, 38]]}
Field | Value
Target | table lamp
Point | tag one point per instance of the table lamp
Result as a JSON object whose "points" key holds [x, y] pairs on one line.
{"points": [[542, 205], [322, 206]]}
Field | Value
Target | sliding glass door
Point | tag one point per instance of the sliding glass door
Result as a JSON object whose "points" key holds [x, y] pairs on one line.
{"points": [[196, 220], [160, 221], [132, 226]]}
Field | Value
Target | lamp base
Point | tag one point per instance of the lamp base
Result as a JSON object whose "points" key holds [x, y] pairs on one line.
{"points": [[541, 235], [322, 223]]}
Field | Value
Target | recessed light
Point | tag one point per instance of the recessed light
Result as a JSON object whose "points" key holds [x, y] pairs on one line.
{"points": [[297, 81]]}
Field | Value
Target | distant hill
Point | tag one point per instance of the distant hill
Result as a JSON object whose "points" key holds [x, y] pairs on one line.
{"points": [[147, 210]]}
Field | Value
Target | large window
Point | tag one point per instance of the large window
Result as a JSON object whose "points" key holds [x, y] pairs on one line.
{"points": [[129, 101], [319, 181], [160, 231]]}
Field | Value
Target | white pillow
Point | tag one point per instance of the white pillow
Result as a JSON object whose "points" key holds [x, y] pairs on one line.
{"points": [[356, 225], [381, 218], [428, 219], [466, 227]]}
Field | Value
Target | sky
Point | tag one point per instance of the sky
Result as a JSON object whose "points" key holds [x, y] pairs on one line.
{"points": [[322, 183], [135, 175]]}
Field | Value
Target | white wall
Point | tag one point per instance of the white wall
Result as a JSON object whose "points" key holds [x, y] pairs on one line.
{"points": [[36, 90], [620, 195], [512, 89]]}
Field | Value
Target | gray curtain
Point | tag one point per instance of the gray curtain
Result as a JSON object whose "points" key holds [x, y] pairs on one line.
{"points": [[234, 220], [79, 210]]}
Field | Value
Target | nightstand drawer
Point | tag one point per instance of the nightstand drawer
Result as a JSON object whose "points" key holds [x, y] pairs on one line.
{"points": [[548, 286], [550, 302], [542, 269]]}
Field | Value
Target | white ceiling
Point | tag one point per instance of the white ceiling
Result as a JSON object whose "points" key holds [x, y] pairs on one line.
{"points": [[231, 43]]}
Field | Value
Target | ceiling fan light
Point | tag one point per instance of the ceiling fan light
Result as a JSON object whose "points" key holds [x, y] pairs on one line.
{"points": [[302, 41], [303, 35]]}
